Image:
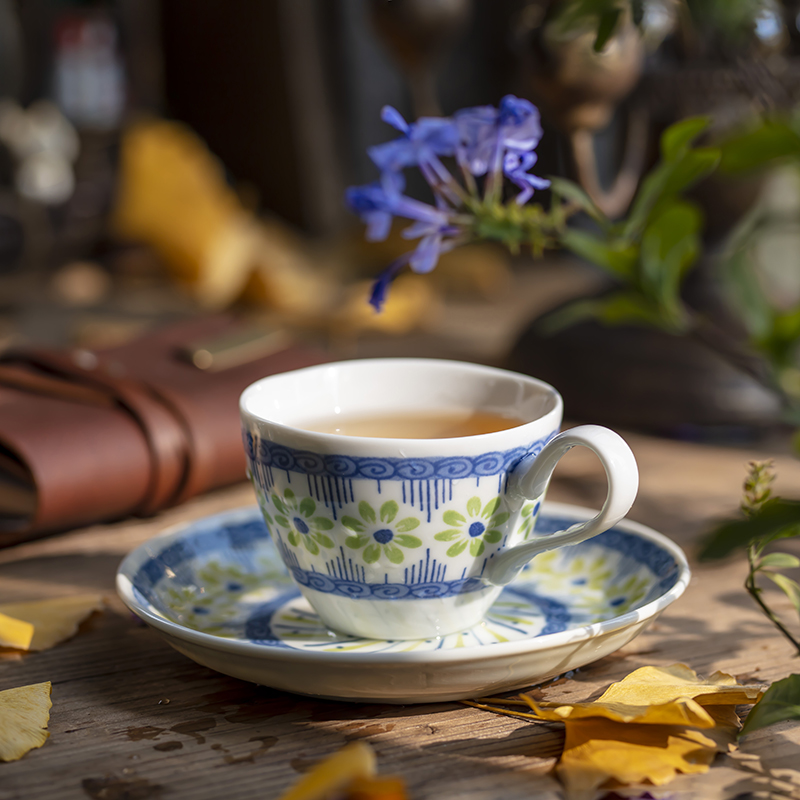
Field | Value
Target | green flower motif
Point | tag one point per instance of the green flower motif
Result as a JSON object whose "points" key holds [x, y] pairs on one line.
{"points": [[476, 529], [382, 536], [527, 518], [298, 517]]}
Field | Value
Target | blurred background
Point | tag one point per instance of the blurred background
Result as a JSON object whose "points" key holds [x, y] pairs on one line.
{"points": [[163, 159]]}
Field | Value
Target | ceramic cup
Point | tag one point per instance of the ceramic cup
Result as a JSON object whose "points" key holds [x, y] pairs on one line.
{"points": [[394, 538]]}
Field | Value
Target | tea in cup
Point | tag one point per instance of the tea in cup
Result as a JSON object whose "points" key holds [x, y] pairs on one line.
{"points": [[402, 494]]}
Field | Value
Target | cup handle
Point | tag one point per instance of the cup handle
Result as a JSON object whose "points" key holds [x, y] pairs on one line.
{"points": [[529, 481]]}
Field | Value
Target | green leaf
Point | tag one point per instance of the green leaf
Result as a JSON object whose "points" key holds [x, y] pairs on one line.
{"points": [[777, 519], [323, 523], [406, 540], [490, 508], [372, 553], [567, 190], [288, 494], [605, 28], [670, 245], [492, 536], [311, 545], [457, 548], [756, 148], [281, 520], [394, 553], [476, 547], [367, 511], [356, 541], [389, 511], [473, 506], [666, 180], [743, 289], [447, 536], [629, 308], [789, 587], [293, 538], [677, 138], [779, 703], [307, 507], [353, 524], [616, 256], [453, 518], [779, 561], [407, 524]]}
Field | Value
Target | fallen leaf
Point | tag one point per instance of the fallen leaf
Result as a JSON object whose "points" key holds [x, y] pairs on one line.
{"points": [[653, 724], [40, 624], [649, 685], [377, 787], [335, 773], [24, 713], [598, 750], [683, 712], [672, 695]]}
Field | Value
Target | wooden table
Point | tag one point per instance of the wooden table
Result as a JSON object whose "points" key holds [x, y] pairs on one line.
{"points": [[133, 719]]}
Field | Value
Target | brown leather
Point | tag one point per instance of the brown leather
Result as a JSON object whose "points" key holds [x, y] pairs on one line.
{"points": [[129, 430]]}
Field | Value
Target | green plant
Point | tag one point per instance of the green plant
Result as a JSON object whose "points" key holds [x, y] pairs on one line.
{"points": [[765, 520]]}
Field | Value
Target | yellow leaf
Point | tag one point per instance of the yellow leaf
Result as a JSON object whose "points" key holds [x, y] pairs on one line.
{"points": [[24, 713], [40, 624], [649, 685], [15, 632], [598, 750], [335, 773], [685, 712], [657, 696]]}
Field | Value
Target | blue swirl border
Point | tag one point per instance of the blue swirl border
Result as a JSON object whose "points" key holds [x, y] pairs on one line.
{"points": [[278, 456]]}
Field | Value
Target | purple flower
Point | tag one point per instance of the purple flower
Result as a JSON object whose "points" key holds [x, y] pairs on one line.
{"points": [[420, 145], [376, 204], [492, 139], [515, 167], [484, 140]]}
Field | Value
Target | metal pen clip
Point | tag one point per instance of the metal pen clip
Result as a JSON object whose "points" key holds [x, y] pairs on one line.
{"points": [[231, 350]]}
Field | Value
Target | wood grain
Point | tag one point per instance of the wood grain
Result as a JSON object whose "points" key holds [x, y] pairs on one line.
{"points": [[133, 720]]}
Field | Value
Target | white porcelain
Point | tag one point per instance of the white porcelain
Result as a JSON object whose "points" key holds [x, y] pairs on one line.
{"points": [[410, 538], [217, 591]]}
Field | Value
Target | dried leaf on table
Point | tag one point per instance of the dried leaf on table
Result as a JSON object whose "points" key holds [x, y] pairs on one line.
{"points": [[599, 750], [40, 624], [335, 773], [662, 684], [24, 714], [654, 723], [673, 695], [377, 787]]}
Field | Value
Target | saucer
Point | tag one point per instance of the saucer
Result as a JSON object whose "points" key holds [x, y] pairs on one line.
{"points": [[217, 591]]}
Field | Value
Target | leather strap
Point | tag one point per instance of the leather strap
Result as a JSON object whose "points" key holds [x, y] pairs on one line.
{"points": [[84, 377]]}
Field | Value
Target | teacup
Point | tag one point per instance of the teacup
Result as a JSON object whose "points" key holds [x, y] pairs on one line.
{"points": [[407, 538]]}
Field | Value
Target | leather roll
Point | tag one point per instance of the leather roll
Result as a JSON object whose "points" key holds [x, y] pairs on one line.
{"points": [[130, 430]]}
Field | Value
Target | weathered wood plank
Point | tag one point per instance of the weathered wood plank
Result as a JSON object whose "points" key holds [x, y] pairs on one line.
{"points": [[132, 718]]}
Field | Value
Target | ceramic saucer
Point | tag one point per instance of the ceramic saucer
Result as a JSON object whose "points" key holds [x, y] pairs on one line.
{"points": [[217, 590]]}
